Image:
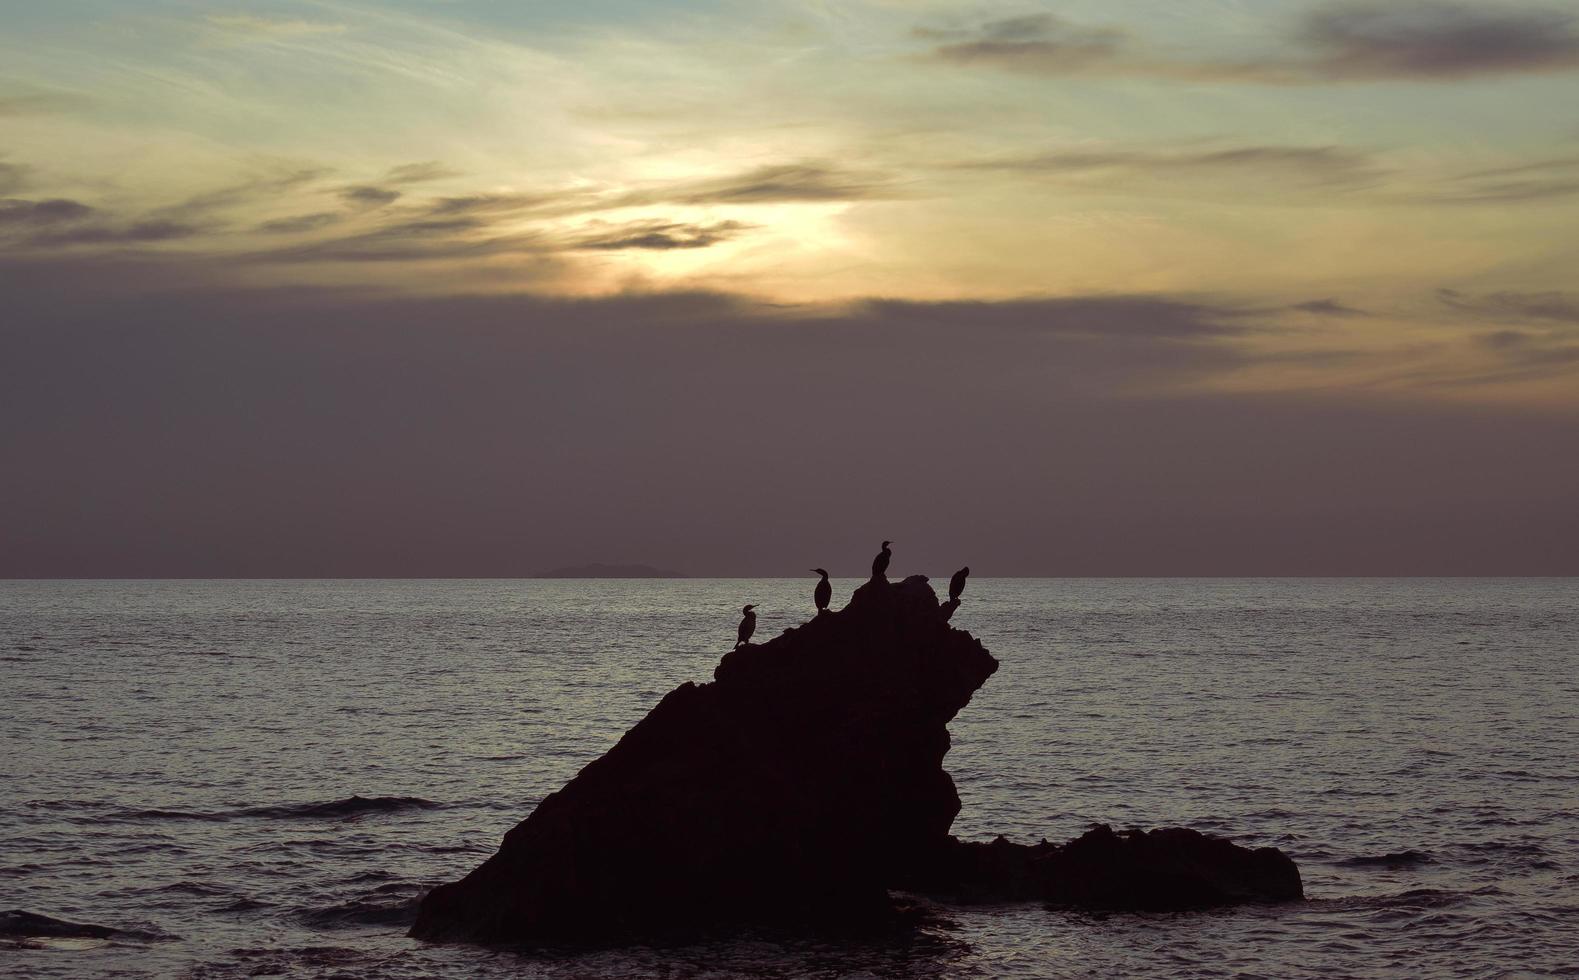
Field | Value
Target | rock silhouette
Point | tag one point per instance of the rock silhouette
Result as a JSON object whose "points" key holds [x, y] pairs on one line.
{"points": [[1134, 870], [792, 789], [20, 929], [19, 924], [793, 792]]}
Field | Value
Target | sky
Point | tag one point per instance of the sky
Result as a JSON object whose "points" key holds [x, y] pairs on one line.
{"points": [[472, 287]]}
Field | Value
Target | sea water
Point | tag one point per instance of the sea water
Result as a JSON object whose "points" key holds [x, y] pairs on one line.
{"points": [[263, 777]]}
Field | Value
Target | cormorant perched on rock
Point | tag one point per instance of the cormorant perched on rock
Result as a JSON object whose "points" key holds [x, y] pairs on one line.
{"points": [[748, 625], [956, 585], [823, 592], [880, 563], [947, 608]]}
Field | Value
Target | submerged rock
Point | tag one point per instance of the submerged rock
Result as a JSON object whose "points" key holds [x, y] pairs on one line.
{"points": [[21, 924], [1133, 870], [792, 789], [20, 929]]}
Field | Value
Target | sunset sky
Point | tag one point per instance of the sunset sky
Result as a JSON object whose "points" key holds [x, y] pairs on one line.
{"points": [[472, 287]]}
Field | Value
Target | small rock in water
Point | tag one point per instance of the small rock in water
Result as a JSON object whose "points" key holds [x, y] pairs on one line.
{"points": [[1164, 870]]}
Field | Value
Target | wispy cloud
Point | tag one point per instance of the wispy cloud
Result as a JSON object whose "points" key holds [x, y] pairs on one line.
{"points": [[492, 203], [416, 173], [437, 239], [408, 241], [138, 233], [297, 224], [1552, 306], [383, 224], [1430, 39], [1328, 307], [659, 236], [267, 186], [1040, 43], [1321, 166], [369, 196], [47, 212], [253, 26], [1536, 181], [773, 184], [1366, 40]]}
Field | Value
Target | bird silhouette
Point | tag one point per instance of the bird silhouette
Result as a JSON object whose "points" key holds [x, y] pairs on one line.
{"points": [[956, 585], [823, 592], [880, 563], [748, 625], [948, 608]]}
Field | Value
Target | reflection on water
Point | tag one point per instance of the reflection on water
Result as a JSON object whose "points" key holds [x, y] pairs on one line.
{"points": [[263, 777]]}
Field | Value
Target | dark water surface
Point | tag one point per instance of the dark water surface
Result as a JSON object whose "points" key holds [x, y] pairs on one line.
{"points": [[181, 760]]}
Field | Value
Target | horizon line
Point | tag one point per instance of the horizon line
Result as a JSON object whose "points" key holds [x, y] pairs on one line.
{"points": [[704, 578]]}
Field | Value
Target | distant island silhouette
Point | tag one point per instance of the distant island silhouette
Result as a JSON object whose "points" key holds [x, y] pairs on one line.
{"points": [[598, 569]]}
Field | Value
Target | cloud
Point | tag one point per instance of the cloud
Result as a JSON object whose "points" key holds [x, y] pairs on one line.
{"points": [[1543, 345], [1556, 307], [138, 233], [1363, 41], [1429, 39], [47, 212], [269, 28], [411, 241], [1540, 180], [387, 227], [1328, 307], [466, 235], [659, 236], [61, 222], [488, 203], [416, 173], [299, 223], [268, 185], [1040, 43], [369, 196], [1313, 165], [462, 225], [771, 184]]}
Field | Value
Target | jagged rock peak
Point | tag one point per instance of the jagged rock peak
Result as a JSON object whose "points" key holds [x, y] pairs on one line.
{"points": [[794, 788]]}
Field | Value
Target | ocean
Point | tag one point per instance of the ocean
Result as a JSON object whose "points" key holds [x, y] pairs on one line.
{"points": [[263, 777]]}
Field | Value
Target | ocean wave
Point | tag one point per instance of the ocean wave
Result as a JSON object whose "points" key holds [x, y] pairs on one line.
{"points": [[1413, 899], [1396, 859], [344, 809], [140, 816], [390, 905], [351, 806], [1510, 847]]}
